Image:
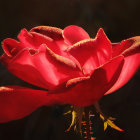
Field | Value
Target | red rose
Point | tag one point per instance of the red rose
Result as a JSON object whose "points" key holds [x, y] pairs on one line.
{"points": [[74, 68]]}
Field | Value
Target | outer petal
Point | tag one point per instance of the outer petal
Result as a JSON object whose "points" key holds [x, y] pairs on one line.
{"points": [[85, 91], [57, 46], [50, 36], [33, 40], [130, 48], [11, 47], [73, 34], [43, 67], [126, 47], [4, 59], [18, 102], [52, 32], [93, 52], [131, 65]]}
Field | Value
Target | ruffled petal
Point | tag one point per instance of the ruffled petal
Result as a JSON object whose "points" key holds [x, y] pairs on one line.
{"points": [[33, 40], [58, 46], [130, 48], [11, 47], [4, 59], [17, 102], [43, 67], [52, 32], [131, 65], [73, 34], [126, 47], [85, 91], [92, 53], [37, 36]]}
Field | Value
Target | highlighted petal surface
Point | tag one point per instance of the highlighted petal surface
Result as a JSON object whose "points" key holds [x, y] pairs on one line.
{"points": [[130, 48], [43, 67], [73, 34], [50, 36], [126, 47], [18, 102], [88, 91], [11, 47], [92, 53], [33, 40], [131, 65], [52, 32]]}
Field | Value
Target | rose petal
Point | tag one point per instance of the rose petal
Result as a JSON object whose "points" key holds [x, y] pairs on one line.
{"points": [[52, 32], [4, 59], [92, 53], [88, 91], [126, 47], [130, 48], [56, 46], [33, 40], [131, 65], [11, 47], [73, 34], [18, 102], [43, 67]]}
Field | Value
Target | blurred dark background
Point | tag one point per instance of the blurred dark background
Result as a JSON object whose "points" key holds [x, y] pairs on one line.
{"points": [[120, 20]]}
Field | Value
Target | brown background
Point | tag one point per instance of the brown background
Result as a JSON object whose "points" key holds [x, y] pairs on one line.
{"points": [[120, 20]]}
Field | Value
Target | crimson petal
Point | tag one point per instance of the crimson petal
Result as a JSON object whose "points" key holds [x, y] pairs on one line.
{"points": [[73, 34], [130, 48], [52, 32], [32, 40], [92, 53], [11, 47], [86, 91], [126, 47], [57, 46], [17, 102], [43, 67]]}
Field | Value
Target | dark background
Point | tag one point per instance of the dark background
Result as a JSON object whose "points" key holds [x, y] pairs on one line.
{"points": [[120, 20]]}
